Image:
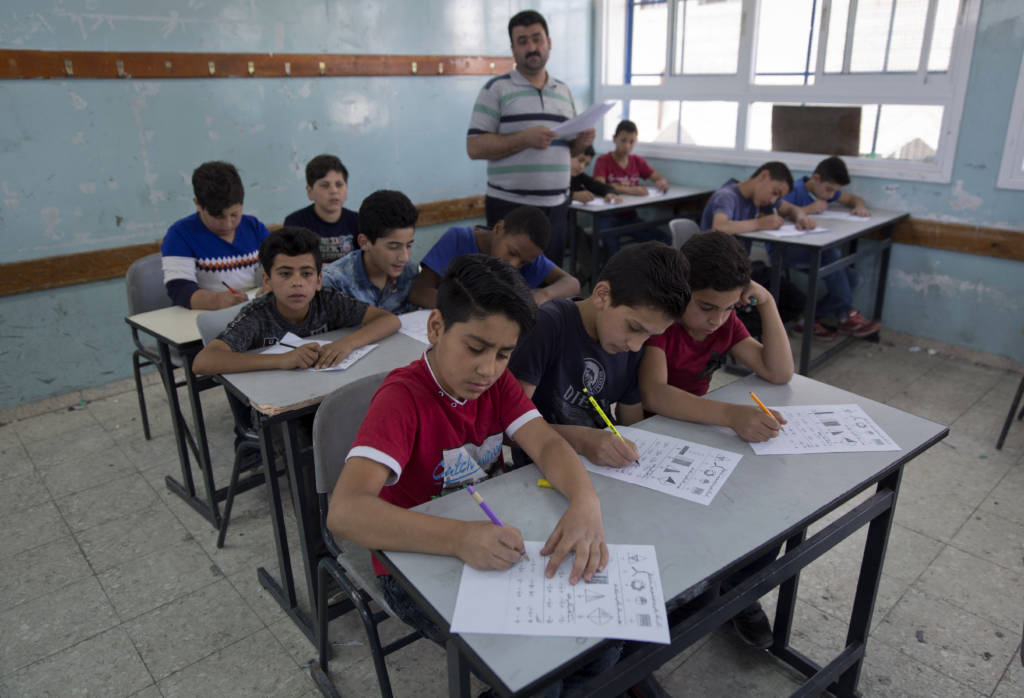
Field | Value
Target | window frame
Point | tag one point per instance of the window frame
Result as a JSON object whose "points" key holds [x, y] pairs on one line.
{"points": [[947, 89], [1011, 171]]}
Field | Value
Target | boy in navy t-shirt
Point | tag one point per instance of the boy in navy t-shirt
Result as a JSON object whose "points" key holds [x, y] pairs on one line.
{"points": [[327, 188]]}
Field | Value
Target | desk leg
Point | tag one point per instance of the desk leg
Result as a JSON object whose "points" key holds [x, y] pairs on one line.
{"points": [[188, 490], [571, 262], [786, 603], [883, 273], [810, 305], [301, 476], [202, 446], [458, 672], [776, 273]]}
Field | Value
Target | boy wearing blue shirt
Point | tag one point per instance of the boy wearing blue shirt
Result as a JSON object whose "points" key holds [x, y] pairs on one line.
{"points": [[519, 239], [327, 188], [211, 257], [379, 272]]}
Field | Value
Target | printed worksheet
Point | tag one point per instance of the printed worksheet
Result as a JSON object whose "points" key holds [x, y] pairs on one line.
{"points": [[789, 230], [624, 602], [839, 214], [826, 429], [414, 325], [674, 466], [296, 341]]}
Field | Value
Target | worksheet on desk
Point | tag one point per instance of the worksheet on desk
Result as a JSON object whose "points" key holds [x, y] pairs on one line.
{"points": [[414, 325], [296, 341], [840, 215], [674, 466], [789, 230], [625, 601], [826, 429]]}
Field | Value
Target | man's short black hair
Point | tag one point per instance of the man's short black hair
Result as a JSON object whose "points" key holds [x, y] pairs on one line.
{"points": [[649, 275], [777, 171], [627, 126], [318, 167], [292, 241], [383, 211], [527, 18], [478, 285], [529, 221], [717, 261], [833, 170], [217, 186]]}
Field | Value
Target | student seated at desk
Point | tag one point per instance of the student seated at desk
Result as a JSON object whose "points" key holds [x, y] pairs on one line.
{"points": [[211, 257], [813, 194], [519, 239], [327, 188], [379, 272], [585, 188], [623, 170], [754, 204], [296, 303], [597, 343], [436, 425]]}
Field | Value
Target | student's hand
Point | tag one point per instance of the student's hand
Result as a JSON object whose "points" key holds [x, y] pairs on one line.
{"points": [[539, 137], [752, 424], [226, 299], [613, 199], [755, 294], [861, 210], [804, 223], [605, 448], [485, 546], [332, 354], [816, 206], [638, 191], [769, 221], [661, 184], [582, 196], [303, 357], [579, 531]]}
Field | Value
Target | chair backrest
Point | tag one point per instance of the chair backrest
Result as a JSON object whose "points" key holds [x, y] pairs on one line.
{"points": [[213, 322], [682, 230], [144, 282], [335, 425]]}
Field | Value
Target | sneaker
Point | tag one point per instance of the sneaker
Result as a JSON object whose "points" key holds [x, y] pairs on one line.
{"points": [[857, 325], [820, 331], [752, 625]]}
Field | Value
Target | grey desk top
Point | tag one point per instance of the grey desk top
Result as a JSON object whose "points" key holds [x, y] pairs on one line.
{"points": [[276, 392], [674, 193], [173, 324], [765, 496], [839, 229]]}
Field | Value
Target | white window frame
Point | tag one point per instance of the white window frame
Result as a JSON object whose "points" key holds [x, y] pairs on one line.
{"points": [[1011, 174], [946, 89]]}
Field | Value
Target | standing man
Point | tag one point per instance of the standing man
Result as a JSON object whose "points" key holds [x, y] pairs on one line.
{"points": [[527, 163]]}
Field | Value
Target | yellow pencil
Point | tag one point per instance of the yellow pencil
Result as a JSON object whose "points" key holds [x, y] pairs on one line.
{"points": [[544, 483], [766, 410], [605, 417]]}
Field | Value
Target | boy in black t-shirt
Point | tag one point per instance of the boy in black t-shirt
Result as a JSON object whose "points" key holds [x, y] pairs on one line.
{"points": [[327, 188]]}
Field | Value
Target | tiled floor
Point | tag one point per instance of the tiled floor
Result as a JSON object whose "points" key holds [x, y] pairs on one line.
{"points": [[111, 586]]}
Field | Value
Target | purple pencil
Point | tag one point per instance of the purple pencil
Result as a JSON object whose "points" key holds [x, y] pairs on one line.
{"points": [[487, 510]]}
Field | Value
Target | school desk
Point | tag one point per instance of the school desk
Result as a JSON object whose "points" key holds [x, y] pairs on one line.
{"points": [[840, 232], [674, 203], [279, 400], [768, 500]]}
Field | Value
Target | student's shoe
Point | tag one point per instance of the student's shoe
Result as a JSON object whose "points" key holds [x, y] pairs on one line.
{"points": [[752, 625], [820, 331], [857, 325], [648, 688]]}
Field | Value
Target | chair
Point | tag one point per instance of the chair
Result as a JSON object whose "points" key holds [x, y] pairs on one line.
{"points": [[1006, 428], [334, 429], [682, 229], [144, 282]]}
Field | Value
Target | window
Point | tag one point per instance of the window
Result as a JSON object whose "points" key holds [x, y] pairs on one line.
{"points": [[1011, 172], [701, 77]]}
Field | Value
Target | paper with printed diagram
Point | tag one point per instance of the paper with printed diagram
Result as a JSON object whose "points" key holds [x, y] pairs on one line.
{"points": [[414, 325], [583, 121], [826, 429], [296, 341], [625, 601]]}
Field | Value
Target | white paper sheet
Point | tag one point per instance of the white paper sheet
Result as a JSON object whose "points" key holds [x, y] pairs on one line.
{"points": [[674, 466], [826, 429], [581, 122], [624, 602], [841, 215], [414, 325], [597, 201], [297, 341], [790, 230]]}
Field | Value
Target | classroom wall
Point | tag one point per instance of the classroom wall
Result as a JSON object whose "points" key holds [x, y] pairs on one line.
{"points": [[92, 164], [967, 300]]}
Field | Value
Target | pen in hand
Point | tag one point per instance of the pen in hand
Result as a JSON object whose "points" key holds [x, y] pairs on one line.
{"points": [[766, 410], [607, 421], [490, 514]]}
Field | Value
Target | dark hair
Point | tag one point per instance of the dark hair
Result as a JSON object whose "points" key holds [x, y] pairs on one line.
{"points": [[527, 18], [777, 171], [833, 170], [717, 260], [651, 275], [530, 221], [291, 241], [217, 186], [627, 126], [383, 211], [589, 151], [318, 167], [478, 285]]}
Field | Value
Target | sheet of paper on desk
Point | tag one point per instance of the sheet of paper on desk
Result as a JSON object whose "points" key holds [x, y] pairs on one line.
{"points": [[581, 122], [297, 341], [674, 466], [597, 201], [826, 429], [353, 356], [414, 325], [625, 601], [840, 215], [789, 230]]}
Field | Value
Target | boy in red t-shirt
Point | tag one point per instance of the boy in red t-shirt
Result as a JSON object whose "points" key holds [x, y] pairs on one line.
{"points": [[623, 170]]}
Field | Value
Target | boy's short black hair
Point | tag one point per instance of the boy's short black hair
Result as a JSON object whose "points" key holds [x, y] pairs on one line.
{"points": [[478, 285], [589, 151], [529, 221], [717, 261], [217, 186], [383, 211], [527, 18], [833, 170], [318, 167], [649, 275], [777, 171], [627, 126], [290, 240]]}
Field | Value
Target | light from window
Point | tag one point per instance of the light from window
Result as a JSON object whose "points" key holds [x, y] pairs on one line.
{"points": [[942, 35], [787, 43], [707, 37], [649, 39], [656, 121], [709, 123], [908, 132], [836, 36]]}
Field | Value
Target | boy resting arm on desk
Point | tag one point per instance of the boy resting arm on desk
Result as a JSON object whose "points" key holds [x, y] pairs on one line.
{"points": [[294, 304], [623, 170], [585, 188], [677, 366], [436, 425], [755, 203], [813, 194]]}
